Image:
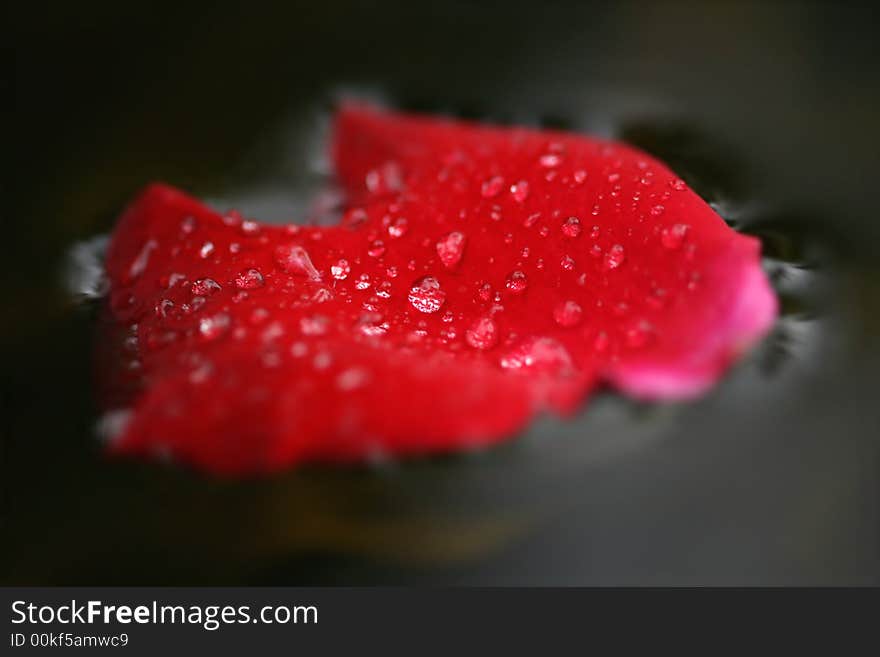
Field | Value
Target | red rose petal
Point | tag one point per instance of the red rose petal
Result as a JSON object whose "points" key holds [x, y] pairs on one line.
{"points": [[480, 275]]}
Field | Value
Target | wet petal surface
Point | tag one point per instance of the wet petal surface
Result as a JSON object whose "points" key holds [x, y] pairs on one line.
{"points": [[479, 276]]}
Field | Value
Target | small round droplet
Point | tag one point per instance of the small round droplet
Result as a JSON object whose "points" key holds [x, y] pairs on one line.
{"points": [[164, 307], [571, 227], [211, 328], [520, 191], [531, 220], [482, 334], [672, 237], [340, 270], [567, 263], [567, 314], [249, 279], [426, 295], [398, 227], [384, 290], [206, 250], [376, 249], [205, 287], [614, 257], [657, 210], [249, 227], [539, 354], [451, 248], [549, 160], [492, 187], [371, 325], [315, 325], [352, 378], [516, 282]]}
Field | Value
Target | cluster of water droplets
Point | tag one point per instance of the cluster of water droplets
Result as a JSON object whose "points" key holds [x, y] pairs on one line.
{"points": [[376, 281]]}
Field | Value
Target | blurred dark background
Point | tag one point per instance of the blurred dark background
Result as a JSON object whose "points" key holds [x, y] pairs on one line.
{"points": [[769, 109]]}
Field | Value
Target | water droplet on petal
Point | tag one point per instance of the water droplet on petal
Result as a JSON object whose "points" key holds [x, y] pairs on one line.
{"points": [[492, 187], [571, 227], [294, 259], [540, 354], [164, 307], [322, 295], [322, 360], [377, 248], [384, 290], [672, 237], [316, 325], [352, 378], [657, 210], [205, 287], [249, 227], [398, 227], [206, 250], [614, 258], [516, 282], [213, 327], [549, 160], [568, 314], [531, 220], [371, 325], [363, 282], [426, 295], [340, 270], [451, 249], [482, 334], [520, 191], [249, 279]]}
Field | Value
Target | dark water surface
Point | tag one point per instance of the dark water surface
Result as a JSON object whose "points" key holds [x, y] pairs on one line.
{"points": [[769, 110]]}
